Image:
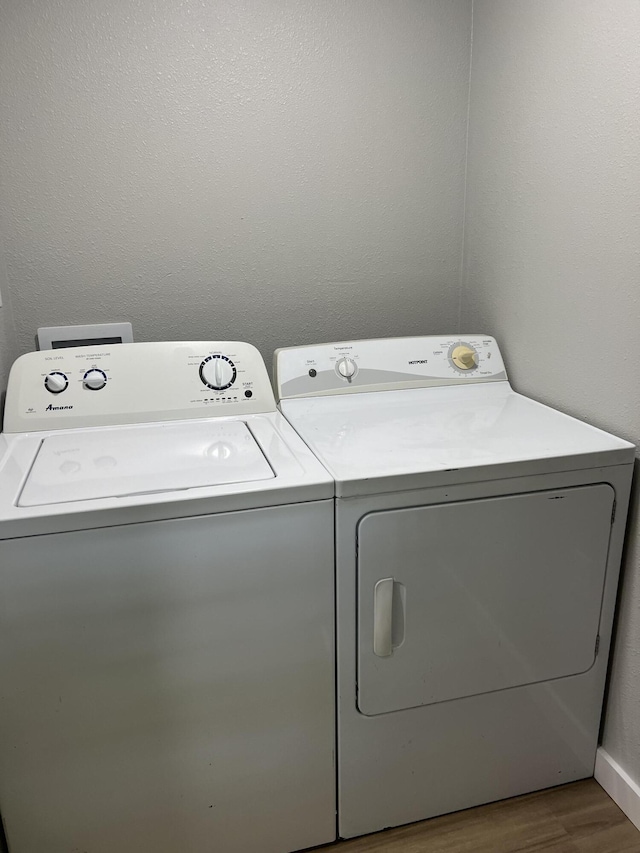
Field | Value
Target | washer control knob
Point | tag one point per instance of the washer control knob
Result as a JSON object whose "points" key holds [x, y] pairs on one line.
{"points": [[56, 382], [94, 379], [218, 372], [464, 357], [346, 367]]}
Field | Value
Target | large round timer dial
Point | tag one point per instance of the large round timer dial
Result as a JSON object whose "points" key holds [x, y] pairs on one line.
{"points": [[218, 372], [463, 356]]}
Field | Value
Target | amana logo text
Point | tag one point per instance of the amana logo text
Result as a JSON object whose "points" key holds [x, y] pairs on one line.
{"points": [[51, 408]]}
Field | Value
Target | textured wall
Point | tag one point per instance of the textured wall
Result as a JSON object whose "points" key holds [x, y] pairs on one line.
{"points": [[8, 342], [6, 357], [281, 171], [552, 253]]}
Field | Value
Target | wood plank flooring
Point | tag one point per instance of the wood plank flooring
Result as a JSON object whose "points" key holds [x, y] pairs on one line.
{"points": [[576, 818]]}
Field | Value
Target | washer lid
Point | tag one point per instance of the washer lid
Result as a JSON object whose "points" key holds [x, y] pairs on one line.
{"points": [[394, 440], [104, 463]]}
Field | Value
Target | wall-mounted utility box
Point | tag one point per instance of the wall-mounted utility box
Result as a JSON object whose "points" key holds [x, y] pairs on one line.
{"points": [[55, 337]]}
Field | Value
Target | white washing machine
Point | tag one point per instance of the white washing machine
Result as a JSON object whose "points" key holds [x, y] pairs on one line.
{"points": [[166, 607], [479, 537]]}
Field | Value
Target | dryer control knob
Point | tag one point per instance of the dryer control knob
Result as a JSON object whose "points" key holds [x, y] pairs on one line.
{"points": [[55, 382], [94, 379], [464, 358], [346, 367]]}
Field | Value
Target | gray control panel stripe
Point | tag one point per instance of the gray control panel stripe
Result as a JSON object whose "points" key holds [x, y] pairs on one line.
{"points": [[369, 380]]}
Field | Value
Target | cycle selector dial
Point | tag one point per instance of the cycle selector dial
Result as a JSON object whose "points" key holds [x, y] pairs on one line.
{"points": [[218, 372], [56, 382], [346, 367], [94, 379], [464, 357]]}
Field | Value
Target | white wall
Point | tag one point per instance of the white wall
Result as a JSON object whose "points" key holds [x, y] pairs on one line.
{"points": [[552, 256], [280, 171]]}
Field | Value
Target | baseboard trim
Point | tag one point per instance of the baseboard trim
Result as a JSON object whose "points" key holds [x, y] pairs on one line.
{"points": [[624, 792]]}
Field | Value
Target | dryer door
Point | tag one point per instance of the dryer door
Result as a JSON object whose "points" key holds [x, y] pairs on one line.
{"points": [[464, 598]]}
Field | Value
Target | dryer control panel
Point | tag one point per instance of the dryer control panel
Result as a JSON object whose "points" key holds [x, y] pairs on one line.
{"points": [[386, 364], [135, 383]]}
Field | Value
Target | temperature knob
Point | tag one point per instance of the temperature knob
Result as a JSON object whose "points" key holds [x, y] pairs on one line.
{"points": [[464, 357], [346, 367], [218, 372], [55, 382], [94, 379]]}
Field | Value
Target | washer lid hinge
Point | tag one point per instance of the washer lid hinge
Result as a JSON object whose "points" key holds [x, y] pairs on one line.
{"points": [[597, 645], [613, 510]]}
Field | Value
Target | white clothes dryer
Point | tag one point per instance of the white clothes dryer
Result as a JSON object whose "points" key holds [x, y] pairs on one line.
{"points": [[166, 607], [478, 545]]}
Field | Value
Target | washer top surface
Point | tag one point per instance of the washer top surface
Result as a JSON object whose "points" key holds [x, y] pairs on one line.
{"points": [[125, 461], [143, 432], [440, 434]]}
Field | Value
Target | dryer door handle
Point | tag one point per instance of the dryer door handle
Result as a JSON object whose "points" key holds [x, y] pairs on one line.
{"points": [[383, 618]]}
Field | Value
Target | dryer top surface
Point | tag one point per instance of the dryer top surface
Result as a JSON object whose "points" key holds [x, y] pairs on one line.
{"points": [[372, 442]]}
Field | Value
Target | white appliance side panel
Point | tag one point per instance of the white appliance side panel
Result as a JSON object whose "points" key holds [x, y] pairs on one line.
{"points": [[487, 595], [170, 686]]}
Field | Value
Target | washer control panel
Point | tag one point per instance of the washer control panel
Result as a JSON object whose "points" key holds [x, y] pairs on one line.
{"points": [[387, 363], [135, 383]]}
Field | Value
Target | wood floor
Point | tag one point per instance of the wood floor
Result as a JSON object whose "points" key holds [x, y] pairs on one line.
{"points": [[577, 818]]}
